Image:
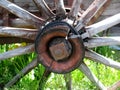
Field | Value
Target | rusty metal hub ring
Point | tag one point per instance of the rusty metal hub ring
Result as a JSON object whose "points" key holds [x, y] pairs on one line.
{"points": [[52, 39]]}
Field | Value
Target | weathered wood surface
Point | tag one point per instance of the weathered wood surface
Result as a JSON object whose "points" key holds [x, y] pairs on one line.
{"points": [[90, 13], [101, 26], [102, 41], [18, 32], [41, 4], [75, 8], [112, 9], [102, 59], [17, 52], [26, 4], [21, 13], [114, 31], [60, 8]]}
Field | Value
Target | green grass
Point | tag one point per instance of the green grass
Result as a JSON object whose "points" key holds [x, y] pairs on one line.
{"points": [[11, 67]]}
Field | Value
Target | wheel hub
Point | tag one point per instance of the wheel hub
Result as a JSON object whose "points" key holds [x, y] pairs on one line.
{"points": [[60, 49], [56, 51]]}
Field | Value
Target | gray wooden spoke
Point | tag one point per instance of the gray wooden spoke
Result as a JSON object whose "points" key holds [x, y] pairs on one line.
{"points": [[102, 41], [18, 32], [60, 9], [75, 8], [18, 11], [90, 12], [83, 67], [17, 52], [101, 59], [45, 9], [23, 72], [20, 23], [101, 26]]}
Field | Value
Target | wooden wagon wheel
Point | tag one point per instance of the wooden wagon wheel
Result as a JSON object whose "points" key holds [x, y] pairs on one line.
{"points": [[58, 35]]}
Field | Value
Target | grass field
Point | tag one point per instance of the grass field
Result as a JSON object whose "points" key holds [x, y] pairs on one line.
{"points": [[12, 66]]}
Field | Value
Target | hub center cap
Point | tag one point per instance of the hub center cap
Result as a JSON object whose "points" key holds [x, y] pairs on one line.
{"points": [[61, 50]]}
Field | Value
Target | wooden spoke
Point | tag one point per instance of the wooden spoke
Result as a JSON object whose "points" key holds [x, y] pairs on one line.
{"points": [[60, 9], [18, 11], [23, 72], [44, 78], [115, 86], [101, 59], [45, 9], [83, 67], [101, 26], [102, 41], [18, 32], [11, 40], [17, 52], [20, 23], [90, 12], [75, 8], [68, 80]]}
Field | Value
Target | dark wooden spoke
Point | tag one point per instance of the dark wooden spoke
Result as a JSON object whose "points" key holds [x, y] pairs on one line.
{"points": [[18, 11], [17, 52], [101, 59], [102, 41], [18, 32], [68, 80], [12, 40], [44, 78], [60, 9], [5, 17], [23, 72], [90, 12], [83, 67], [75, 8], [44, 7]]}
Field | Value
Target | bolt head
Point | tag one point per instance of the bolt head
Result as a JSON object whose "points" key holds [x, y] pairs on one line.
{"points": [[59, 51]]}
